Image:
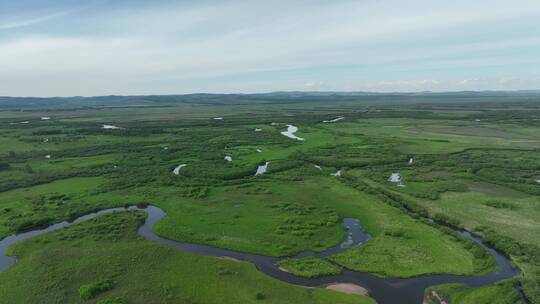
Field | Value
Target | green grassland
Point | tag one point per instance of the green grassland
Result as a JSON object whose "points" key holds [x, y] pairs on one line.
{"points": [[430, 136], [403, 246], [291, 217], [502, 293], [107, 248], [251, 219], [309, 267], [302, 215], [475, 166]]}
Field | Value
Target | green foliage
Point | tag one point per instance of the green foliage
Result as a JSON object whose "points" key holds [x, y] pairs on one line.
{"points": [[447, 220], [501, 293], [309, 267], [295, 225], [92, 290], [260, 296], [143, 271], [500, 204], [398, 233], [115, 300]]}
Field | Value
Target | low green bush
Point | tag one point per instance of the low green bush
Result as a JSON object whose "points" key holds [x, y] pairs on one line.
{"points": [[90, 291], [115, 300], [499, 204], [260, 296]]}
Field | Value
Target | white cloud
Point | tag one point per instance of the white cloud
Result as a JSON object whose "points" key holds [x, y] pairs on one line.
{"points": [[404, 85], [34, 20], [465, 82], [256, 45], [317, 85]]}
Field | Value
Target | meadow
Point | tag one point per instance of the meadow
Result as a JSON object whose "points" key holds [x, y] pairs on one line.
{"points": [[107, 257], [463, 163]]}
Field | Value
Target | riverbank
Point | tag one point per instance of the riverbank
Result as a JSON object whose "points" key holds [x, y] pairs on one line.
{"points": [[380, 289]]}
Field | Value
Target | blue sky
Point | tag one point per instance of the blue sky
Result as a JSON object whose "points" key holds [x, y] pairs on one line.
{"points": [[100, 47]]}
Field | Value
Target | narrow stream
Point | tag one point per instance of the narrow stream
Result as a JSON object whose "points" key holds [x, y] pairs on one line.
{"points": [[290, 132], [334, 120], [176, 170], [261, 169], [384, 291]]}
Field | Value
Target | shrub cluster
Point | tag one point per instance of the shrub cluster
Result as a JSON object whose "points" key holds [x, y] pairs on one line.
{"points": [[92, 290]]}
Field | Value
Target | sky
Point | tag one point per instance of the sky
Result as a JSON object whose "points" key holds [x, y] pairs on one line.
{"points": [[136, 47]]}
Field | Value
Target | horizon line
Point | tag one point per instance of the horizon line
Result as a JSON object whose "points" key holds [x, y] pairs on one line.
{"points": [[285, 92]]}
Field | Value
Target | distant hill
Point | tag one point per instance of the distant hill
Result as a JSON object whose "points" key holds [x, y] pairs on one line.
{"points": [[7, 102]]}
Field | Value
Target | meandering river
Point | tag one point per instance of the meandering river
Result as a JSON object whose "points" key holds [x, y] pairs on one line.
{"points": [[383, 290]]}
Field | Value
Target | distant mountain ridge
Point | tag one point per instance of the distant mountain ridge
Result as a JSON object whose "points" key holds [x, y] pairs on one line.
{"points": [[237, 98]]}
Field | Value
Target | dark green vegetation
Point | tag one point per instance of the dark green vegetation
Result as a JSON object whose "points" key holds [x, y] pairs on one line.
{"points": [[309, 267], [90, 291], [475, 164]]}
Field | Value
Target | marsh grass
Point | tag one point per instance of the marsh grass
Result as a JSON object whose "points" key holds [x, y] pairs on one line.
{"points": [[309, 267], [480, 175]]}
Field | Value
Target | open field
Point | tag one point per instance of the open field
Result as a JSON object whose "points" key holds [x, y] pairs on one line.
{"points": [[467, 163]]}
